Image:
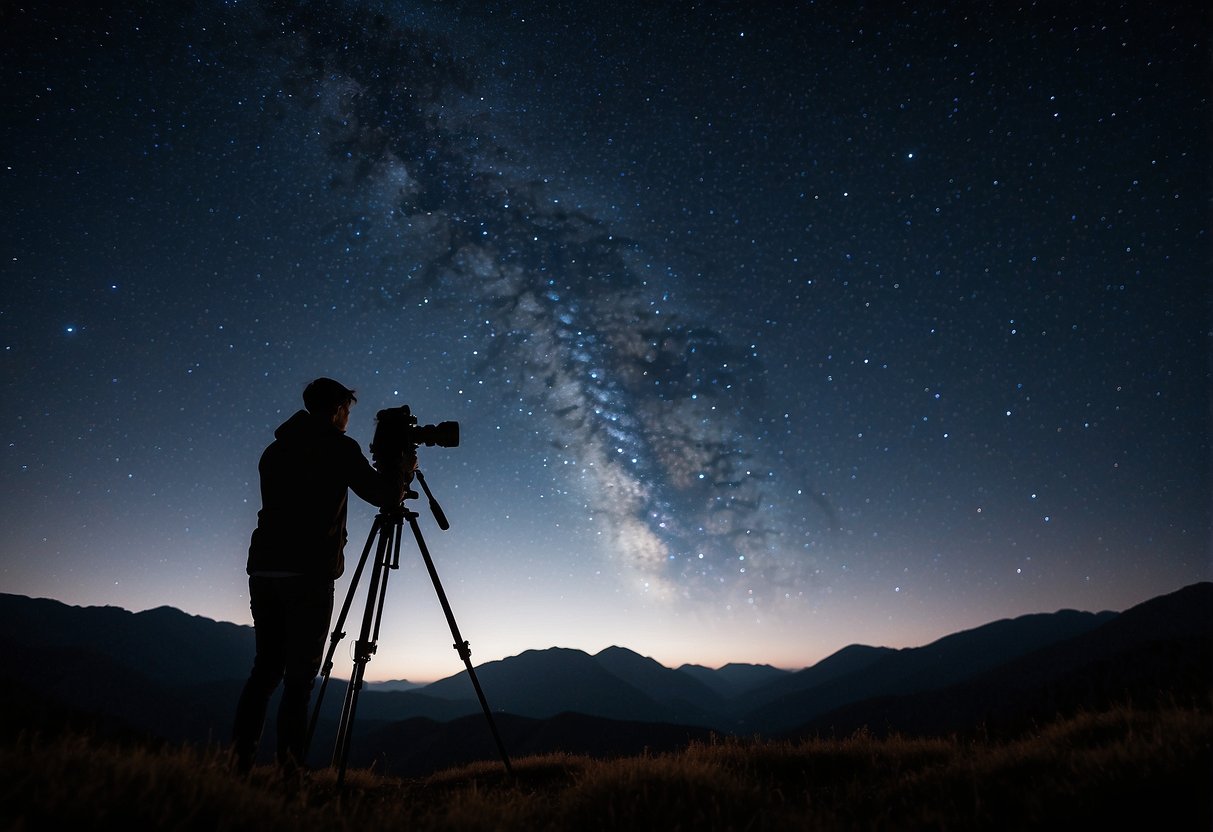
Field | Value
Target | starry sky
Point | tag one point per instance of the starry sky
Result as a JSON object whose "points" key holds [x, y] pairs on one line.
{"points": [[770, 328]]}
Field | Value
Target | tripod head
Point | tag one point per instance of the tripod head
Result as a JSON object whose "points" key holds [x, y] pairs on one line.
{"points": [[397, 437], [401, 510]]}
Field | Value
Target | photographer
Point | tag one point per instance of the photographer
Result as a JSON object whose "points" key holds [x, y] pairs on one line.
{"points": [[296, 555]]}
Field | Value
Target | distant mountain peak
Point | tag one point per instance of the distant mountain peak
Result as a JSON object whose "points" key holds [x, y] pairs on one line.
{"points": [[178, 674]]}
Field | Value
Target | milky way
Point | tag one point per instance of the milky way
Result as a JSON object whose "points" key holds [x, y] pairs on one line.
{"points": [[650, 412]]}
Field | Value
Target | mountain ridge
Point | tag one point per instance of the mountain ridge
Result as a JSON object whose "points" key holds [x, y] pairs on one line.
{"points": [[168, 674]]}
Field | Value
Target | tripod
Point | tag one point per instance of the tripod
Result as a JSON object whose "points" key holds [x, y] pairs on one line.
{"points": [[385, 536]]}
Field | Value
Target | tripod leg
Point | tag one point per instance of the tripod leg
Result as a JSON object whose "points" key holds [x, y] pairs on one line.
{"points": [[364, 648], [461, 646], [391, 555], [338, 632]]}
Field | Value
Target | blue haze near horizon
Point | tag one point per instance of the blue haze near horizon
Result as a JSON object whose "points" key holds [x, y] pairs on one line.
{"points": [[769, 330]]}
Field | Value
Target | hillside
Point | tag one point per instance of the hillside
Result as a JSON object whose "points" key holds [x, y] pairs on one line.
{"points": [[165, 674]]}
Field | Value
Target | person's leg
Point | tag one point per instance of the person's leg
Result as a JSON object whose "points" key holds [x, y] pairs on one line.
{"points": [[313, 603], [270, 616]]}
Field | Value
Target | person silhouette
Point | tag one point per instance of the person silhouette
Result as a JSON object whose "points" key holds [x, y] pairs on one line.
{"points": [[295, 557]]}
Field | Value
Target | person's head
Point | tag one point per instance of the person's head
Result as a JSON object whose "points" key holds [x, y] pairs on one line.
{"points": [[329, 400]]}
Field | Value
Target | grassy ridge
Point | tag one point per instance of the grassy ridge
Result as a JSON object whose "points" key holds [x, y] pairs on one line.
{"points": [[1123, 768]]}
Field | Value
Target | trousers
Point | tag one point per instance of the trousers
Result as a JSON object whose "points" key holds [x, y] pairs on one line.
{"points": [[290, 619]]}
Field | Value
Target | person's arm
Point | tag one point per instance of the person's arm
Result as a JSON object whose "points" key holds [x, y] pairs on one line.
{"points": [[385, 486]]}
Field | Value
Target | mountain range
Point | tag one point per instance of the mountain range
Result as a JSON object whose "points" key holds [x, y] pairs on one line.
{"points": [[166, 675]]}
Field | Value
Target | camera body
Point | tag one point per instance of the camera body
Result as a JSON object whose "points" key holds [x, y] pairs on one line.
{"points": [[397, 432]]}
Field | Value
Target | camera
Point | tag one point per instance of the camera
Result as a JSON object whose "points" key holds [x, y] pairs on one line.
{"points": [[397, 431]]}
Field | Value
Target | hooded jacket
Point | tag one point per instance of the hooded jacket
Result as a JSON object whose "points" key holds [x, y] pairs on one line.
{"points": [[305, 476]]}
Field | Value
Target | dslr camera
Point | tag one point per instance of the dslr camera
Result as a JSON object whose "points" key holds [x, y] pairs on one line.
{"points": [[397, 432]]}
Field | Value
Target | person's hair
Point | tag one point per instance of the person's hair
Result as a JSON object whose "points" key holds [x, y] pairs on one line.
{"points": [[323, 396]]}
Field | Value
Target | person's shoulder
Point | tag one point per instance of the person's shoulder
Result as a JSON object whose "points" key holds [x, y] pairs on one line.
{"points": [[301, 427], [349, 454], [346, 440], [347, 443]]}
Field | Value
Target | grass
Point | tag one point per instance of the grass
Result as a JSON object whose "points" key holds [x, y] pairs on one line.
{"points": [[1123, 768]]}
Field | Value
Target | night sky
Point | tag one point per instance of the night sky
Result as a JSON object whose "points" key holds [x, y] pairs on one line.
{"points": [[770, 328]]}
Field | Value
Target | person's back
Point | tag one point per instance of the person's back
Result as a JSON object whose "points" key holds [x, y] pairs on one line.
{"points": [[295, 555], [305, 473]]}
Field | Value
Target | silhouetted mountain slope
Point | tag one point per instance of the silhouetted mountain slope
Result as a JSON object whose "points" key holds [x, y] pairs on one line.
{"points": [[735, 678], [1159, 652], [543, 683], [78, 684], [911, 670], [26, 708], [389, 706], [163, 644], [1185, 612], [616, 683], [657, 681], [394, 685], [853, 659], [163, 673]]}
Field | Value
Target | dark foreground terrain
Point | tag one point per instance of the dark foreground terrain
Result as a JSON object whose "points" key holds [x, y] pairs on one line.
{"points": [[1119, 768]]}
